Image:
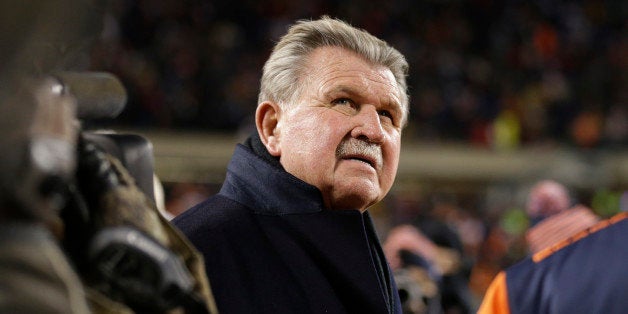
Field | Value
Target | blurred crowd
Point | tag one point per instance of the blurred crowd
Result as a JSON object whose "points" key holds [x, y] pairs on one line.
{"points": [[497, 74]]}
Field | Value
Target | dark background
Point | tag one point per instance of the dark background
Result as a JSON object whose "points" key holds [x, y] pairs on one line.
{"points": [[487, 73]]}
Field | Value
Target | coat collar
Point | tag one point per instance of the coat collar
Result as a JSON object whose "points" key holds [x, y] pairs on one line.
{"points": [[266, 188]]}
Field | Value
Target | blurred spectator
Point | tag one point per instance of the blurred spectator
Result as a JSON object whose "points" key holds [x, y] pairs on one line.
{"points": [[552, 217], [409, 238], [546, 198], [419, 266], [432, 243]]}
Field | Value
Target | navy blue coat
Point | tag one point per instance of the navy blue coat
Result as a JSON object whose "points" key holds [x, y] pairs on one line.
{"points": [[586, 273], [271, 247]]}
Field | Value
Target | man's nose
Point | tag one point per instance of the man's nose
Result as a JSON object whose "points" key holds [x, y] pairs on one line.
{"points": [[368, 124]]}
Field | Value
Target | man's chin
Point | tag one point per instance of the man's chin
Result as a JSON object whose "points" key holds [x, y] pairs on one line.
{"points": [[355, 195]]}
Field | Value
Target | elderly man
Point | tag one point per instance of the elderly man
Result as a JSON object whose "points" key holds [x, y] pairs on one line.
{"points": [[289, 231]]}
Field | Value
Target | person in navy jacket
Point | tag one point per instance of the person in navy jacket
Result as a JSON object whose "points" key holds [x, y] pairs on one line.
{"points": [[585, 273], [289, 231]]}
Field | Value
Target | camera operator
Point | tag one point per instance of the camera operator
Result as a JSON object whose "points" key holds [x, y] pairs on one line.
{"points": [[37, 140], [78, 234], [35, 275]]}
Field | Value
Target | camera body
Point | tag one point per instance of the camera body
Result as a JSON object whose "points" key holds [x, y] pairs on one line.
{"points": [[95, 190], [135, 152]]}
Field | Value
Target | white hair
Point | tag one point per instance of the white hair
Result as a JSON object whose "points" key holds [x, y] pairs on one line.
{"points": [[283, 76]]}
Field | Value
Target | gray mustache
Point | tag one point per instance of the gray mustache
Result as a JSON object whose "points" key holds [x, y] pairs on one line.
{"points": [[357, 147]]}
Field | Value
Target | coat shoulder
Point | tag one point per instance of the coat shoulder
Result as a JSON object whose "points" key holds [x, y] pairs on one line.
{"points": [[215, 212]]}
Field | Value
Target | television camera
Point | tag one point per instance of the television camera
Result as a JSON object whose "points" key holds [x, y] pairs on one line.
{"points": [[94, 189]]}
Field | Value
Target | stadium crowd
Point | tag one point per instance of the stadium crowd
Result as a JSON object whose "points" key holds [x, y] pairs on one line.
{"points": [[491, 73]]}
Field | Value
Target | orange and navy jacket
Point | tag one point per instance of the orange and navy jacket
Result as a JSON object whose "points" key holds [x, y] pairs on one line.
{"points": [[586, 273]]}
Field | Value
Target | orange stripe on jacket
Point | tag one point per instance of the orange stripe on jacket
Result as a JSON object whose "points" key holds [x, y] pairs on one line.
{"points": [[601, 225], [496, 298]]}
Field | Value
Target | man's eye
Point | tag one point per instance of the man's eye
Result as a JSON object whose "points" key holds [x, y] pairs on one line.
{"points": [[386, 113], [343, 102]]}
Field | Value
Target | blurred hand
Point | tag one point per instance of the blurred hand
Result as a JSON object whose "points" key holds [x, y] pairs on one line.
{"points": [[408, 238]]}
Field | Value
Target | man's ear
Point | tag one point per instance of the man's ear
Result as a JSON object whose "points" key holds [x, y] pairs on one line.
{"points": [[267, 123]]}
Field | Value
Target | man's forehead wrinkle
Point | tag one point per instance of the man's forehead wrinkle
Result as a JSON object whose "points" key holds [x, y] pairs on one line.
{"points": [[340, 89], [361, 81], [374, 74]]}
